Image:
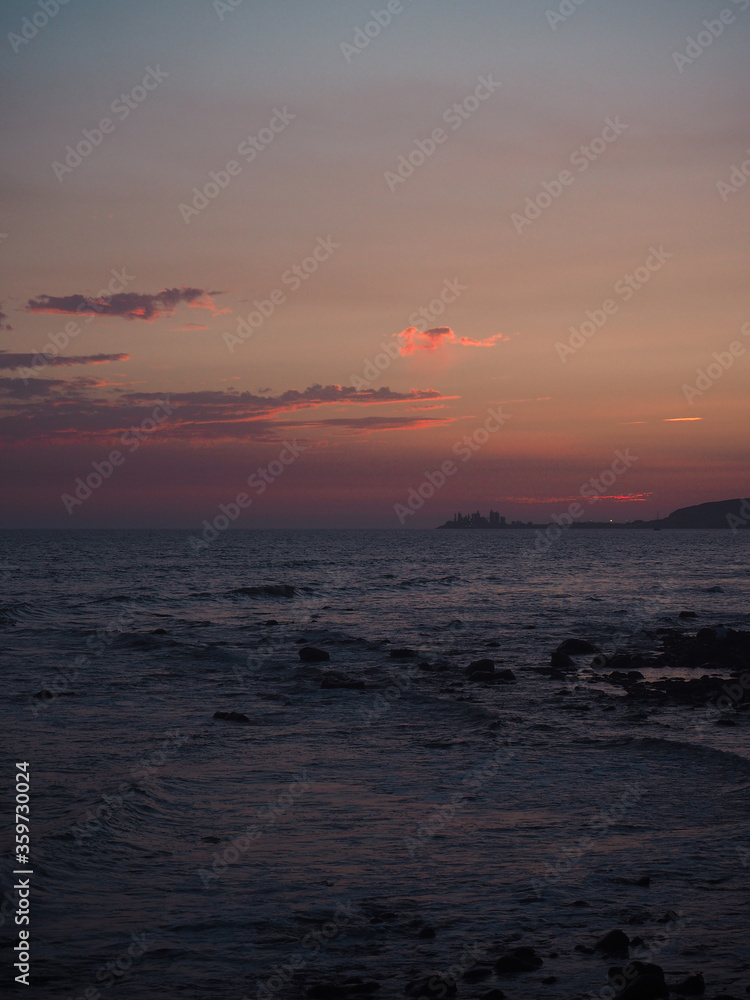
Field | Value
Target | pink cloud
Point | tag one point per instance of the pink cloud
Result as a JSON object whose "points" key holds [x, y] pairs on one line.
{"points": [[413, 339]]}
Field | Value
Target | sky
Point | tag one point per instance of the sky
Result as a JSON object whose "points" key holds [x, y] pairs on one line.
{"points": [[368, 266]]}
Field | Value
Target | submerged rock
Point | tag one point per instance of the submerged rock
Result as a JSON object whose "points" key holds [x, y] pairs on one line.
{"points": [[477, 974], [518, 960], [309, 654], [354, 987], [615, 942], [402, 654], [693, 986], [437, 985], [231, 716], [269, 590], [333, 681], [480, 669], [576, 647], [561, 661]]}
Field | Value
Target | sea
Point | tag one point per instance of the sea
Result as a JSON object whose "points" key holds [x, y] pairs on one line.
{"points": [[393, 836]]}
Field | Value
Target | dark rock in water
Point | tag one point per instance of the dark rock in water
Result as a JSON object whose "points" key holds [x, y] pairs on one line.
{"points": [[492, 645], [705, 635], [693, 986], [614, 943], [635, 969], [644, 988], [549, 980], [493, 995], [309, 654], [402, 654], [725, 721], [271, 621], [158, 631], [644, 881], [584, 949], [517, 961], [477, 974], [505, 675], [231, 716], [437, 985], [354, 987], [714, 590], [44, 695], [576, 647], [211, 840], [561, 661], [270, 590], [687, 614], [427, 934], [485, 666], [333, 681]]}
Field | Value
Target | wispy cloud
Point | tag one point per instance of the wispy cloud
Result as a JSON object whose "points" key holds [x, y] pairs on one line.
{"points": [[9, 361], [125, 305], [58, 410], [4, 324], [617, 498]]}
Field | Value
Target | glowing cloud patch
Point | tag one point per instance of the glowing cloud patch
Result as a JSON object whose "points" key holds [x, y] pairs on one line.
{"points": [[412, 339]]}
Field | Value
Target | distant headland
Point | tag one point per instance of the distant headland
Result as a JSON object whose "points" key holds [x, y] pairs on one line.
{"points": [[733, 514]]}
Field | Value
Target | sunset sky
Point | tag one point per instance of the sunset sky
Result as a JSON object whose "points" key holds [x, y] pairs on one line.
{"points": [[141, 283]]}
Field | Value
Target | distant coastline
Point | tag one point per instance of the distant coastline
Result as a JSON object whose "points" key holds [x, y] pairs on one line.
{"points": [[722, 514]]}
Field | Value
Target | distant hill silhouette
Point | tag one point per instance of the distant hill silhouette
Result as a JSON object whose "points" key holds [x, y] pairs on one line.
{"points": [[721, 514], [724, 514]]}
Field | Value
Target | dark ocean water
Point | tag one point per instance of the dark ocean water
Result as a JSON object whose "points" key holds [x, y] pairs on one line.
{"points": [[323, 838]]}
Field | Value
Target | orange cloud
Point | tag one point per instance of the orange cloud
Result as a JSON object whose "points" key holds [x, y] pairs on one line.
{"points": [[412, 339]]}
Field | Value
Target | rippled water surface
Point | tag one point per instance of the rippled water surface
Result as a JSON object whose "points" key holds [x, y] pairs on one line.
{"points": [[329, 837]]}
